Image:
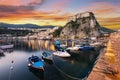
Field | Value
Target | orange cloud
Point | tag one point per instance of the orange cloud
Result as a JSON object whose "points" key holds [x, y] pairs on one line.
{"points": [[113, 23], [106, 13], [26, 10], [61, 4], [19, 2], [104, 9]]}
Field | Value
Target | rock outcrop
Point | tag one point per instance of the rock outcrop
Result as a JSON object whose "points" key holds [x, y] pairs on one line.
{"points": [[82, 25]]}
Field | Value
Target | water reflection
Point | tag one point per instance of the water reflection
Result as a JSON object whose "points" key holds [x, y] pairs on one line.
{"points": [[78, 66], [34, 45], [39, 74], [80, 63]]}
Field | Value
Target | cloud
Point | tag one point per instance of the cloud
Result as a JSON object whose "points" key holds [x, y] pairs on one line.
{"points": [[12, 7], [103, 8], [15, 9], [20, 2], [107, 13], [60, 4], [109, 21], [29, 11], [111, 1], [113, 23], [14, 13]]}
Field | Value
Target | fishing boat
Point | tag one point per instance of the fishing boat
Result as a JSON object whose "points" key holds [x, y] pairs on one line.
{"points": [[96, 44], [57, 42], [36, 63], [62, 53], [63, 45], [47, 57], [6, 46], [73, 48]]}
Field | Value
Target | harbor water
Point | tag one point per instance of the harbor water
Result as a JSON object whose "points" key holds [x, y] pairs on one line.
{"points": [[14, 62]]}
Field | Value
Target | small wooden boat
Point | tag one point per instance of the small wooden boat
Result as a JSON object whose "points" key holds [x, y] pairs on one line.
{"points": [[62, 53], [36, 63], [47, 57]]}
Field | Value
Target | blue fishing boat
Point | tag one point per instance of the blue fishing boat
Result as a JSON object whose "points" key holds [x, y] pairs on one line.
{"points": [[36, 63], [57, 42], [47, 57]]}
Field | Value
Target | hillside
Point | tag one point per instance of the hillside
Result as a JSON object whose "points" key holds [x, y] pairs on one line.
{"points": [[5, 25], [83, 25]]}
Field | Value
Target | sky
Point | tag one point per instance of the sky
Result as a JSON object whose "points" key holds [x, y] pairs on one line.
{"points": [[56, 12]]}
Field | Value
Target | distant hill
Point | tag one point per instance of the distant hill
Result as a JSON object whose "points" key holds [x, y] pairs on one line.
{"points": [[5, 25], [106, 30]]}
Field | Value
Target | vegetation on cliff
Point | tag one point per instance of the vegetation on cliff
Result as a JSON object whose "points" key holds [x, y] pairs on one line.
{"points": [[83, 25], [57, 32]]}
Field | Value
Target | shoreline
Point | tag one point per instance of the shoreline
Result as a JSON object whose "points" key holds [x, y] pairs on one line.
{"points": [[107, 70]]}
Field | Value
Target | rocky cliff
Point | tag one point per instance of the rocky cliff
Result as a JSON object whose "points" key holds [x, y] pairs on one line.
{"points": [[82, 25]]}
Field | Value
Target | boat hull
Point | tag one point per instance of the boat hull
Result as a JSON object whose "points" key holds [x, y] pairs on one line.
{"points": [[35, 68], [62, 54], [35, 63], [6, 46]]}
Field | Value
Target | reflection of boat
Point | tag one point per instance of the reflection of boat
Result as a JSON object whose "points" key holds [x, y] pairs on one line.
{"points": [[6, 46], [36, 63], [62, 53], [39, 74], [47, 57]]}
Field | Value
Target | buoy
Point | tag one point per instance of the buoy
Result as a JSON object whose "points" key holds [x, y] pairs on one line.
{"points": [[29, 64], [11, 68], [12, 61]]}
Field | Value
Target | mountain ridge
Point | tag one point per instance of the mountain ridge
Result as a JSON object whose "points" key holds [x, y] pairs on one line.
{"points": [[6, 25]]}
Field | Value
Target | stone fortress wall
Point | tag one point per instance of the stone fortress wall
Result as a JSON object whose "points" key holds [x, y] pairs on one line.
{"points": [[79, 15]]}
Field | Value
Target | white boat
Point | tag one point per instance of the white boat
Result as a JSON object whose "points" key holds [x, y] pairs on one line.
{"points": [[96, 44], [63, 45], [7, 46], [74, 48], [62, 53], [77, 45]]}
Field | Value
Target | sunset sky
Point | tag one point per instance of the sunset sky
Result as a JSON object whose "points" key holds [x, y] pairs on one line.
{"points": [[56, 12]]}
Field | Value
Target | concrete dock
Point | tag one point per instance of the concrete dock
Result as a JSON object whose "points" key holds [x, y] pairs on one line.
{"points": [[108, 64]]}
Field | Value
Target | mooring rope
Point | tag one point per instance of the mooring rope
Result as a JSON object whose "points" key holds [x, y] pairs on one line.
{"points": [[10, 71], [68, 75]]}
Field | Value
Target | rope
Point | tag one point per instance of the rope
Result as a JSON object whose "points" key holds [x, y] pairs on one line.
{"points": [[10, 71], [69, 75], [10, 75]]}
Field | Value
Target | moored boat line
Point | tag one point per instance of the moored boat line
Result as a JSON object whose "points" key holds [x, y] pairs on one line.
{"points": [[6, 46]]}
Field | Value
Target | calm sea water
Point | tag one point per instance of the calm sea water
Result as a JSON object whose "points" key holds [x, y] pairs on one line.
{"points": [[74, 68]]}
